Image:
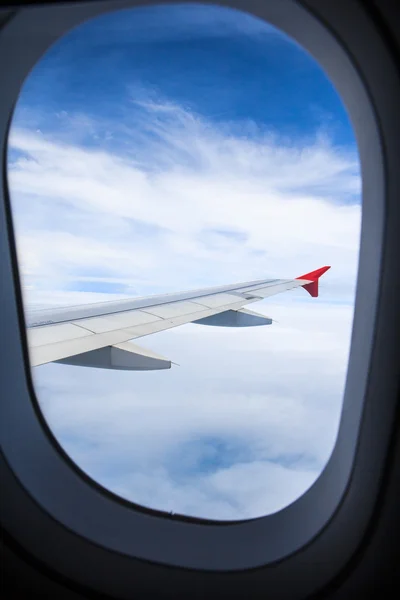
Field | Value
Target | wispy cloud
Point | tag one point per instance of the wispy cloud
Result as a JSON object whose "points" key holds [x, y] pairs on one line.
{"points": [[286, 202]]}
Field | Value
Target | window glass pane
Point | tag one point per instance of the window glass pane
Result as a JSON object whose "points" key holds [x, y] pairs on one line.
{"points": [[172, 148]]}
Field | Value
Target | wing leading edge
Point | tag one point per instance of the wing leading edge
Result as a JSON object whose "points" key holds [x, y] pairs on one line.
{"points": [[97, 335]]}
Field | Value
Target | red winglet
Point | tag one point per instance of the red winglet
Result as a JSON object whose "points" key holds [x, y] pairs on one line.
{"points": [[312, 288]]}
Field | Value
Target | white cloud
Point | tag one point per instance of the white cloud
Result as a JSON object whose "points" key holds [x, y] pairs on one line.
{"points": [[271, 396], [97, 209], [248, 420]]}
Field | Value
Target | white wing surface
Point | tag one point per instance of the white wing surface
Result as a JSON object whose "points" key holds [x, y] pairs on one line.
{"points": [[99, 335]]}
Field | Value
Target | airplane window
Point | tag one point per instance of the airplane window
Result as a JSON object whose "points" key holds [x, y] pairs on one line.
{"points": [[172, 149]]}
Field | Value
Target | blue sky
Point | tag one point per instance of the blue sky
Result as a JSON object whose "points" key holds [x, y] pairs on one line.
{"points": [[168, 148], [206, 58]]}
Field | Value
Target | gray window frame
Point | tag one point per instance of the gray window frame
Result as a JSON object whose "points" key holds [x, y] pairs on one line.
{"points": [[50, 499]]}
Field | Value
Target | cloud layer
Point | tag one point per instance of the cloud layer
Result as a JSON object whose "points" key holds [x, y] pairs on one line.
{"points": [[165, 200], [241, 428]]}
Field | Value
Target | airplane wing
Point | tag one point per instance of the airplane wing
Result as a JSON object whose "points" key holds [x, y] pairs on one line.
{"points": [[99, 335]]}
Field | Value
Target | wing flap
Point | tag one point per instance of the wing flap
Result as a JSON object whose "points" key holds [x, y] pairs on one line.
{"points": [[46, 353], [39, 336], [174, 309], [122, 320], [270, 290], [218, 300]]}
